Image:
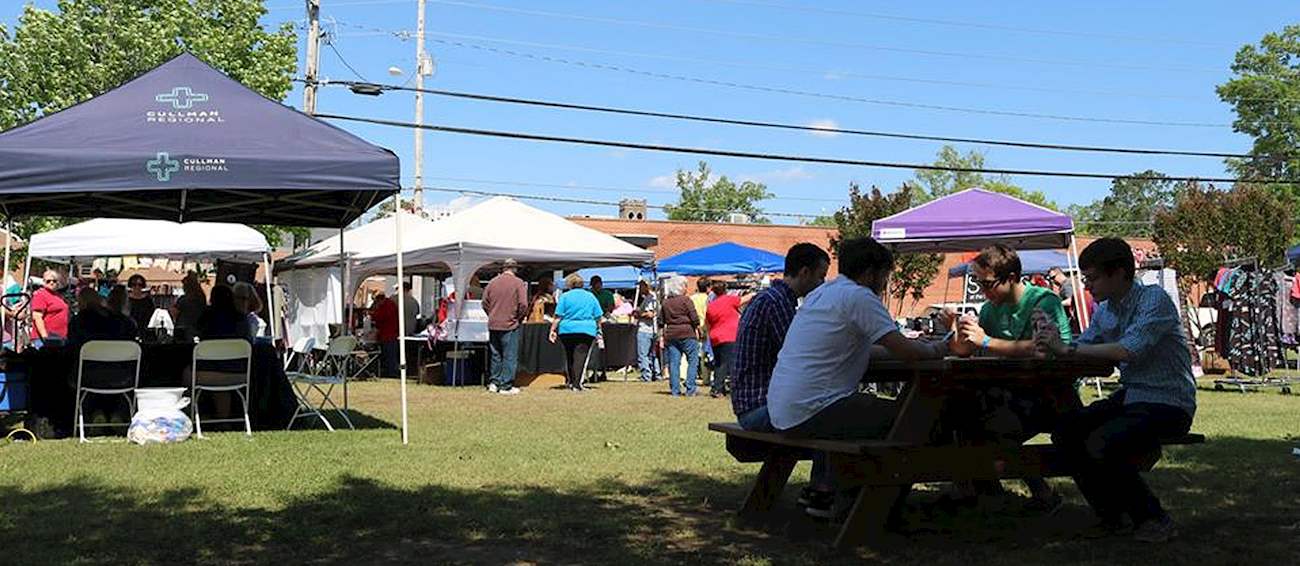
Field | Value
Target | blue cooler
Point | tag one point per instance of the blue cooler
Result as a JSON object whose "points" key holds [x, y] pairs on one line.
{"points": [[13, 390]]}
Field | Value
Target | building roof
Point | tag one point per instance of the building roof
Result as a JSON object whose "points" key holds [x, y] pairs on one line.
{"points": [[676, 237]]}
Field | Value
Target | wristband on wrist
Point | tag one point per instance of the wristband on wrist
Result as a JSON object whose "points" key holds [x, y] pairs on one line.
{"points": [[984, 345]]}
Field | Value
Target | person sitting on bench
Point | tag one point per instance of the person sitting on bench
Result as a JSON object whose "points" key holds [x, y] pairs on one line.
{"points": [[1010, 415], [814, 387], [1137, 327], [761, 334]]}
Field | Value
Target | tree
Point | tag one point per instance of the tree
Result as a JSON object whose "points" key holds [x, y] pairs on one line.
{"points": [[913, 273], [935, 183], [1264, 94], [53, 60], [1207, 226], [1128, 210], [385, 208], [708, 199]]}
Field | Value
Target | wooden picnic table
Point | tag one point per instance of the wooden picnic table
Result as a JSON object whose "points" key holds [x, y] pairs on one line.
{"points": [[885, 469]]}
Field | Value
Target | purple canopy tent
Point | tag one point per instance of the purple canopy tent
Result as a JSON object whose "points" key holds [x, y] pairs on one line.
{"points": [[184, 142], [975, 218]]}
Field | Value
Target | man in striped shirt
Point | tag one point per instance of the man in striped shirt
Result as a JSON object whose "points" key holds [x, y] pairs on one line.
{"points": [[1136, 327], [762, 332]]}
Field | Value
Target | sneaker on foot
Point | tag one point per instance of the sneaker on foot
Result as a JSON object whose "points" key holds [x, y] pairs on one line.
{"points": [[492, 388], [820, 504], [1156, 530], [511, 391]]}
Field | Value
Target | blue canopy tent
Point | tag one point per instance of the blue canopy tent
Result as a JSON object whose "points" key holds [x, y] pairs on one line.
{"points": [[1032, 262], [618, 277], [1293, 255], [184, 142], [727, 258]]}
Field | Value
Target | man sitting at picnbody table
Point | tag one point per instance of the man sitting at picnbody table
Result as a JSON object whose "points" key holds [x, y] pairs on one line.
{"points": [[1137, 328], [814, 388]]}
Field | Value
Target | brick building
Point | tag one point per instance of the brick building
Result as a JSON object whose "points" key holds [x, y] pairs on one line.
{"points": [[677, 237]]}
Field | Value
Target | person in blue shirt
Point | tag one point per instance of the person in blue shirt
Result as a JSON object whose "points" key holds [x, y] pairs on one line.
{"points": [[1136, 327], [577, 322]]}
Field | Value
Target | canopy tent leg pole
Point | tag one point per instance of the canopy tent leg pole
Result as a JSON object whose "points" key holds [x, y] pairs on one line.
{"points": [[1080, 307], [401, 312], [344, 318], [9, 231], [27, 276], [270, 297]]}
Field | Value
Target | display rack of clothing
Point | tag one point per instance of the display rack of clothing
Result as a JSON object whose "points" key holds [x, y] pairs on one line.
{"points": [[1254, 309]]}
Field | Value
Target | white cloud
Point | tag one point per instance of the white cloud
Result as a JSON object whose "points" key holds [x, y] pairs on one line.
{"points": [[832, 76], [791, 174], [663, 182], [829, 127]]}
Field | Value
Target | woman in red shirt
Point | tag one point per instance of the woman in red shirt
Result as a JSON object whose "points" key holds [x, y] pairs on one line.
{"points": [[723, 317], [49, 314]]}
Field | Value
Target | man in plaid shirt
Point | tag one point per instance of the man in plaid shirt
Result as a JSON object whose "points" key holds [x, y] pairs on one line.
{"points": [[1137, 327], [762, 332]]}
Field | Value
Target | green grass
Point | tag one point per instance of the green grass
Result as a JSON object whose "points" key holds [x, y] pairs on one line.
{"points": [[624, 474]]}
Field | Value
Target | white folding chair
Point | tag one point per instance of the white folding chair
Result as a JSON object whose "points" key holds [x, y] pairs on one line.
{"points": [[106, 351], [331, 372], [221, 381], [299, 358]]}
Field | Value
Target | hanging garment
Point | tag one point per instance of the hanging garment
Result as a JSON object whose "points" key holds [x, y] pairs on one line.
{"points": [[1254, 345], [1288, 322]]}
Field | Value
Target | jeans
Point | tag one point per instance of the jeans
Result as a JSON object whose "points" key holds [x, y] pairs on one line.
{"points": [[577, 348], [505, 356], [389, 358], [644, 343], [723, 356], [756, 420], [690, 347], [1102, 439]]}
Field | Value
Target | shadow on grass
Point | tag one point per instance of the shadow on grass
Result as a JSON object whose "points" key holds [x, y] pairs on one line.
{"points": [[360, 421], [1233, 498]]}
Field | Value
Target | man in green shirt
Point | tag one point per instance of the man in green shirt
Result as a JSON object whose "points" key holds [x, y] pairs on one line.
{"points": [[1005, 328], [603, 296]]}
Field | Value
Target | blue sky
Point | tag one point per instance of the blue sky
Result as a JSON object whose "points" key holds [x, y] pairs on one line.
{"points": [[1156, 60]]}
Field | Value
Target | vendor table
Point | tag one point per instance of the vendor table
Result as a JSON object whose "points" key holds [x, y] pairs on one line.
{"points": [[538, 355], [52, 372]]}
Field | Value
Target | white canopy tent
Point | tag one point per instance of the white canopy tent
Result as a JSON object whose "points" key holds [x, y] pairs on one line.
{"points": [[320, 283], [112, 237], [497, 229]]}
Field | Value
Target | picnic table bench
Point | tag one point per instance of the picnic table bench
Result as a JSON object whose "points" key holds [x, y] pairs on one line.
{"points": [[887, 468]]}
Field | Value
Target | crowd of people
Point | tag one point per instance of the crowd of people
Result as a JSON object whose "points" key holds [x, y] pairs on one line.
{"points": [[105, 310]]}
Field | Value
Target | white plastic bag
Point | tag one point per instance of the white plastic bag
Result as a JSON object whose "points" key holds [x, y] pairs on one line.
{"points": [[159, 419]]}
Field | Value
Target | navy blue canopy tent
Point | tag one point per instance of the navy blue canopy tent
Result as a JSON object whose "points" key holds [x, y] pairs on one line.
{"points": [[727, 258], [184, 142], [1293, 255], [1032, 262]]}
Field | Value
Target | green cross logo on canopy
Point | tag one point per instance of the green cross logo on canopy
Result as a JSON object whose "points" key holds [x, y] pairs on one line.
{"points": [[163, 166], [182, 97]]}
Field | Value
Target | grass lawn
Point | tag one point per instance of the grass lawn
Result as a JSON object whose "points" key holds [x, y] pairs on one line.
{"points": [[623, 474]]}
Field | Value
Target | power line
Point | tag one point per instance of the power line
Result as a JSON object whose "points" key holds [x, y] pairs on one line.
{"points": [[791, 158], [342, 59], [813, 129], [975, 25], [609, 189], [402, 34], [406, 35], [602, 202], [845, 98], [829, 43]]}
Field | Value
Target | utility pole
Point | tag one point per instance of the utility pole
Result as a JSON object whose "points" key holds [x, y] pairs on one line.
{"points": [[422, 67], [313, 56]]}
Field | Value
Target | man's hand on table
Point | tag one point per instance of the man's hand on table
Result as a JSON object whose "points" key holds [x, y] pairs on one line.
{"points": [[1047, 339]]}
